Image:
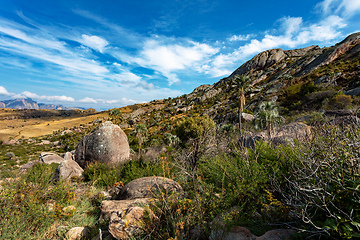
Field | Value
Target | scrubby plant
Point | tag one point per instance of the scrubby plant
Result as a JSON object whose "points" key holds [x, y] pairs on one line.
{"points": [[322, 182], [267, 117]]}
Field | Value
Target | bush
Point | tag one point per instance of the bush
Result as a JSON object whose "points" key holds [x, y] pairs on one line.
{"points": [[322, 182]]}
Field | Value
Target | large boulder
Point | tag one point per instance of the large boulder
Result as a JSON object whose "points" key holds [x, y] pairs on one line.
{"points": [[66, 170], [147, 187], [49, 158], [106, 144]]}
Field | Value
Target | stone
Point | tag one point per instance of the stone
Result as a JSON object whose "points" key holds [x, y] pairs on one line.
{"points": [[29, 165], [353, 92], [106, 144], [77, 233], [129, 224], [68, 156], [110, 206], [147, 187], [10, 155], [235, 233], [246, 117], [49, 158], [67, 170], [277, 234]]}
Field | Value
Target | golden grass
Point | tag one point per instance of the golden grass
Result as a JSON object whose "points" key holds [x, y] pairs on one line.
{"points": [[17, 128]]}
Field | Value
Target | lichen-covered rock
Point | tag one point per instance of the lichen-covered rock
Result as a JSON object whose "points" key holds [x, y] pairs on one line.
{"points": [[147, 187], [66, 170], [106, 144], [130, 223]]}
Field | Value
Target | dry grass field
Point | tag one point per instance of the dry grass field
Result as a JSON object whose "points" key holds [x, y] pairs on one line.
{"points": [[16, 126]]}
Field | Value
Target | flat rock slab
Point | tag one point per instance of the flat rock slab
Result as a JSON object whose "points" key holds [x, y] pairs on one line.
{"points": [[147, 187], [49, 158]]}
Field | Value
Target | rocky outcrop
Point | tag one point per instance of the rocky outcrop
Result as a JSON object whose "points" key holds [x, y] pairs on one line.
{"points": [[261, 61], [126, 217], [67, 170], [148, 187], [49, 158], [2, 105], [106, 144], [283, 135], [348, 44]]}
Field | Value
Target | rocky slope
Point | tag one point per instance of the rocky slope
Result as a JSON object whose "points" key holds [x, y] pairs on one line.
{"points": [[299, 80]]}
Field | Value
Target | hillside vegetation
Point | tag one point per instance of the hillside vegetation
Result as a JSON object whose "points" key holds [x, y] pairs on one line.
{"points": [[291, 166]]}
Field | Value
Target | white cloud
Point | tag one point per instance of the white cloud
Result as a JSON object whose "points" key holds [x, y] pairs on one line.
{"points": [[346, 8], [27, 94], [239, 38], [294, 32], [168, 58], [3, 91], [94, 42], [126, 78], [88, 100], [146, 85]]}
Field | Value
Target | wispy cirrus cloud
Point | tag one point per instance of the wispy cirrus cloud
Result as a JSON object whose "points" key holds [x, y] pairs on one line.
{"points": [[94, 42], [345, 8]]}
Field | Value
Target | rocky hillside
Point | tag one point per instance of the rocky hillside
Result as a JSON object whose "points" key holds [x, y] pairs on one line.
{"points": [[299, 81]]}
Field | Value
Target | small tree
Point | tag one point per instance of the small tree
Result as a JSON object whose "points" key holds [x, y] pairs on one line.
{"points": [[241, 83], [140, 131], [196, 133], [267, 117], [116, 116]]}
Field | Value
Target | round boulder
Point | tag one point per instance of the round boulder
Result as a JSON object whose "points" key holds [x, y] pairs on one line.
{"points": [[147, 186], [106, 144]]}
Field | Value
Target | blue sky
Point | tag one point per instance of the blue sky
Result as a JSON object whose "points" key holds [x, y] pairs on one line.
{"points": [[106, 54]]}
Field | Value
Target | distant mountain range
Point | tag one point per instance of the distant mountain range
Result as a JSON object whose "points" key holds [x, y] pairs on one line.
{"points": [[28, 103]]}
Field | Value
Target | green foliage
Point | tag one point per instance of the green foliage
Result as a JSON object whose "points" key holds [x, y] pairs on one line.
{"points": [[102, 175], [116, 116], [322, 182], [194, 127], [267, 116]]}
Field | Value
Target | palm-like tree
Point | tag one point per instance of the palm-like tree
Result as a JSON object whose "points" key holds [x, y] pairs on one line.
{"points": [[140, 131], [267, 116], [241, 83], [116, 115]]}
